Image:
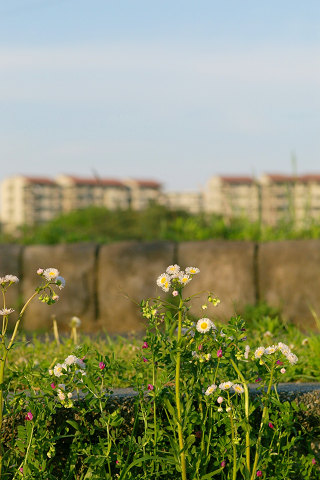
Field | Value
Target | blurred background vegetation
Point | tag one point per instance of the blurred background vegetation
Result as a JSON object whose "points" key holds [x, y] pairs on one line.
{"points": [[99, 225]]}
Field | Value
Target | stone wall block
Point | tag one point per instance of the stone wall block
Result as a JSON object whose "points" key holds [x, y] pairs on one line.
{"points": [[226, 269], [289, 278], [10, 264], [77, 264], [127, 273]]}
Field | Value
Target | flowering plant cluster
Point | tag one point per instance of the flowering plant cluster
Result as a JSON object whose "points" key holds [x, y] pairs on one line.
{"points": [[50, 277], [71, 371], [193, 416], [176, 278], [201, 371]]}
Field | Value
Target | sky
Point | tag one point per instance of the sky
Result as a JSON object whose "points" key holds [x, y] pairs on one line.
{"points": [[170, 90]]}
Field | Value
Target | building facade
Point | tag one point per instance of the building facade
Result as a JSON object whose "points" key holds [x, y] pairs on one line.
{"points": [[34, 200], [28, 200], [271, 199], [232, 196]]}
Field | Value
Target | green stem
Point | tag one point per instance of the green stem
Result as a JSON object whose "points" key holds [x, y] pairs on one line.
{"points": [[154, 404], [15, 331], [178, 404], [264, 413], [2, 364], [234, 449], [246, 410], [5, 351]]}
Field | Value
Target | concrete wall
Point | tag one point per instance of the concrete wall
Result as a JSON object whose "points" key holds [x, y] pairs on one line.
{"points": [[106, 283]]}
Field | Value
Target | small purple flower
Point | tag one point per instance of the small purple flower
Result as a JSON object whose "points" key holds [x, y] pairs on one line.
{"points": [[200, 346], [145, 359], [29, 416], [259, 473], [219, 353], [145, 345], [21, 469], [150, 386], [270, 425], [279, 362], [258, 379], [102, 365], [117, 462], [52, 385], [313, 461], [223, 464]]}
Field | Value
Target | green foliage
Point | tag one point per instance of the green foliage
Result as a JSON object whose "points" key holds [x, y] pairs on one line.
{"points": [[99, 225], [61, 422]]}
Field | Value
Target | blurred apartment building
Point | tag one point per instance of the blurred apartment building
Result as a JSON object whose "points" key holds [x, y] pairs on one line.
{"points": [[191, 202], [271, 199], [232, 196], [293, 198], [28, 200]]}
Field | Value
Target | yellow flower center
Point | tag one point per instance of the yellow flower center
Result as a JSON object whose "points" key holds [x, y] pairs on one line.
{"points": [[204, 325]]}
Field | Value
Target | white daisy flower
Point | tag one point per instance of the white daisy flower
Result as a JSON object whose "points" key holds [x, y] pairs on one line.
{"points": [[283, 348], [6, 311], [11, 278], [51, 274], [292, 358], [271, 349], [163, 281], [69, 395], [173, 270], [259, 352], [184, 278], [204, 325], [283, 370], [228, 409], [192, 270], [237, 388], [71, 359], [58, 370], [225, 385], [211, 389]]}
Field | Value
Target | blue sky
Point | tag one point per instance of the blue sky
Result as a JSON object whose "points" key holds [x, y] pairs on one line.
{"points": [[171, 90]]}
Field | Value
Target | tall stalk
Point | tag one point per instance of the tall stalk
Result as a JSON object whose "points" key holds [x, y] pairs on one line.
{"points": [[246, 410], [50, 298], [264, 413], [177, 389]]}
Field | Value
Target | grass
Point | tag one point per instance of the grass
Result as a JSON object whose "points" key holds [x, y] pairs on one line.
{"points": [[265, 326]]}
